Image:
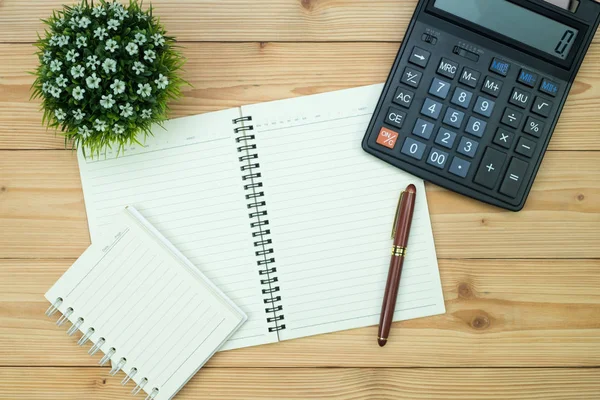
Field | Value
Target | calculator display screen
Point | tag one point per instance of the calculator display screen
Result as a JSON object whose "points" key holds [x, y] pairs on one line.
{"points": [[515, 22]]}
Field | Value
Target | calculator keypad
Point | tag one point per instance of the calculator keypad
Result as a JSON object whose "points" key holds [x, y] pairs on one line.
{"points": [[476, 121]]}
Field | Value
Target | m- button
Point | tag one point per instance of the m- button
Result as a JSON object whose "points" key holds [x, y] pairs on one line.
{"points": [[447, 68]]}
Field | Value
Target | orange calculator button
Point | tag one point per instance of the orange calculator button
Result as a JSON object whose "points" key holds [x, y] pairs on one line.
{"points": [[387, 138]]}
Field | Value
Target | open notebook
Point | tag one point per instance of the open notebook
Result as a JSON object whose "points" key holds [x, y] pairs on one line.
{"points": [[145, 306], [279, 206]]}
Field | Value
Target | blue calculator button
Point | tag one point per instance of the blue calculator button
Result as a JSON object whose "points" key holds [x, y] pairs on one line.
{"points": [[413, 148], [431, 108], [453, 118], [500, 67], [423, 129], [467, 147], [527, 78], [476, 127], [484, 106], [437, 158], [445, 138], [549, 87], [439, 88], [462, 98], [459, 167]]}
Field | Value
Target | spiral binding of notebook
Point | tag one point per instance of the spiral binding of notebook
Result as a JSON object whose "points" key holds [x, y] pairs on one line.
{"points": [[259, 221]]}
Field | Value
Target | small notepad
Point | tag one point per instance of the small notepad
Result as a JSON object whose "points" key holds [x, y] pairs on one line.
{"points": [[139, 301]]}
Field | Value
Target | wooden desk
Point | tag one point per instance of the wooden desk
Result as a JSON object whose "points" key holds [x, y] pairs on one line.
{"points": [[522, 290]]}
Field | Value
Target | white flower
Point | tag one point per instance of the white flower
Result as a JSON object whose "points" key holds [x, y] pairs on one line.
{"points": [[162, 82], [78, 114], [140, 38], [63, 41], [46, 87], [74, 22], [47, 56], [92, 62], [132, 49], [81, 42], [146, 114], [109, 65], [54, 40], [100, 125], [115, 6], [111, 45], [121, 13], [60, 114], [77, 10], [100, 33], [98, 11], [78, 93], [84, 131], [118, 87], [55, 91], [126, 110], [138, 67], [142, 17], [113, 24], [72, 55], [84, 22], [144, 90], [93, 81], [77, 71], [118, 129], [61, 81], [158, 39], [55, 65], [60, 22], [107, 101], [149, 55]]}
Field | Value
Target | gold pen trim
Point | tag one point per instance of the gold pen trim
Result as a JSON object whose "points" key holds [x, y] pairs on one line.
{"points": [[396, 216], [398, 251]]}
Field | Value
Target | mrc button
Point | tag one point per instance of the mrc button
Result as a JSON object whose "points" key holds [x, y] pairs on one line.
{"points": [[447, 68], [549, 87], [499, 66]]}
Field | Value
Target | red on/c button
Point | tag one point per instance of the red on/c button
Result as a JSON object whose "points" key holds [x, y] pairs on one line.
{"points": [[387, 138]]}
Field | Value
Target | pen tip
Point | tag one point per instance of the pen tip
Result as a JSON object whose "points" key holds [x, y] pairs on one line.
{"points": [[411, 188], [381, 342]]}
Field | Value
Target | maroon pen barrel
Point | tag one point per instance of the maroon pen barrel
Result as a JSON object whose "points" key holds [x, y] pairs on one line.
{"points": [[389, 299]]}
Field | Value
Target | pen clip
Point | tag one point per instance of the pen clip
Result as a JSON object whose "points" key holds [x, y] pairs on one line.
{"points": [[396, 216]]}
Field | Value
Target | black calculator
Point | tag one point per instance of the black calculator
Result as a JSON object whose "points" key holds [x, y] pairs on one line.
{"points": [[476, 91]]}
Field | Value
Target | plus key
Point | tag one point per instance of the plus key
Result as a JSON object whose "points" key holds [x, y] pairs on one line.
{"points": [[490, 168]]}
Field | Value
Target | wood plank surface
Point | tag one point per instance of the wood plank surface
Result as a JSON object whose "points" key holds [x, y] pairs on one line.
{"points": [[506, 313], [42, 211], [226, 75], [301, 384]]}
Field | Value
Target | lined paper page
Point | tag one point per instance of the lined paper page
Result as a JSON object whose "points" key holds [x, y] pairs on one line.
{"points": [[154, 308], [331, 208], [187, 182]]}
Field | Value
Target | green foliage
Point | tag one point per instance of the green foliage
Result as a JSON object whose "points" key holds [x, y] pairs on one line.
{"points": [[106, 73]]}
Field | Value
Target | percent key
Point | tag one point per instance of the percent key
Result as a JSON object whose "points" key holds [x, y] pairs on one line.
{"points": [[534, 127]]}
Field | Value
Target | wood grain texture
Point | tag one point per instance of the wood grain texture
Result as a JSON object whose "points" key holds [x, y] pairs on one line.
{"points": [[226, 75], [42, 211], [506, 313], [301, 384]]}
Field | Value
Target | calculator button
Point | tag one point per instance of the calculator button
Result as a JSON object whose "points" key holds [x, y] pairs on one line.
{"points": [[437, 158], [411, 77], [413, 148], [525, 147], [520, 98], [511, 118], [431, 108], [447, 68], [403, 97], [395, 117], [459, 167], [491, 86], [439, 88], [527, 78], [445, 138], [387, 138], [469, 77], [467, 147], [423, 129], [489, 170], [534, 127], [504, 138], [462, 98], [476, 127], [514, 177], [549, 87], [542, 107], [453, 118], [499, 66], [484, 106], [419, 57]]}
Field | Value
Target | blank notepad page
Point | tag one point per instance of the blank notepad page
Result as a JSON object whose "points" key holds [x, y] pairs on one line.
{"points": [[186, 181], [331, 208]]}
